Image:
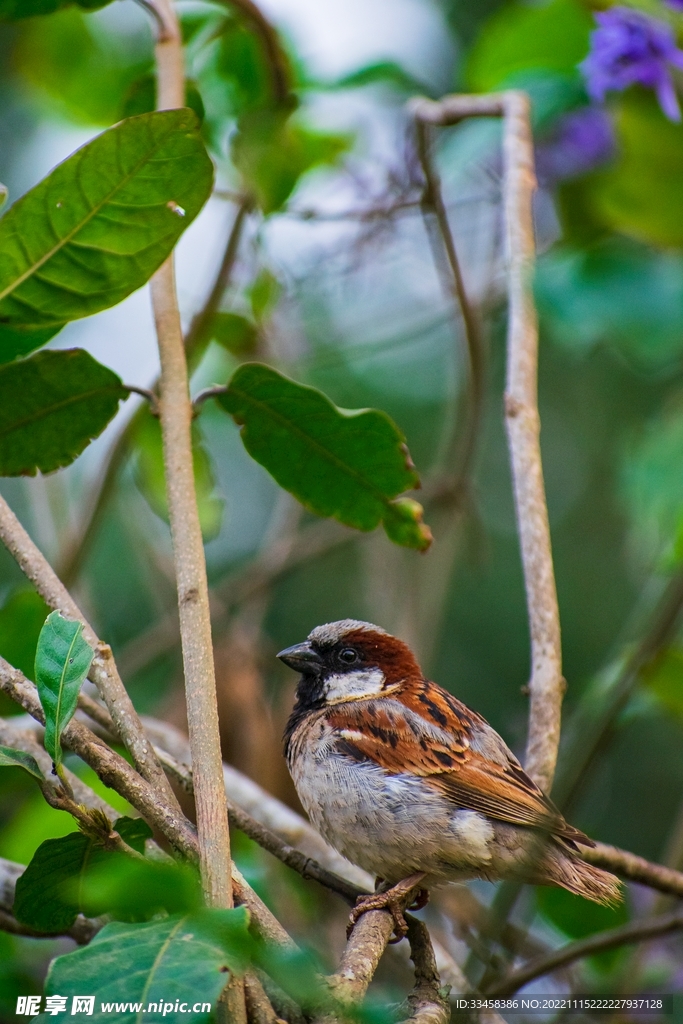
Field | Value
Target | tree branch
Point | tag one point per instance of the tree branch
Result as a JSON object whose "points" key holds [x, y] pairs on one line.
{"points": [[103, 671], [285, 834], [428, 1001], [305, 866], [433, 202], [175, 413], [546, 686], [635, 931], [635, 868], [116, 773]]}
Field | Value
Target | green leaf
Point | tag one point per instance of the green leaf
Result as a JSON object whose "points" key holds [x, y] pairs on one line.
{"points": [[18, 759], [518, 37], [134, 831], [151, 480], [141, 97], [62, 662], [263, 294], [21, 620], [336, 462], [273, 153], [133, 890], [19, 339], [235, 333], [73, 874], [11, 10], [103, 221], [79, 67], [244, 69], [42, 899], [51, 406], [179, 959], [641, 193]]}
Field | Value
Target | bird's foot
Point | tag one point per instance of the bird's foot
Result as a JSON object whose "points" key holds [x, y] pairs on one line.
{"points": [[393, 901]]}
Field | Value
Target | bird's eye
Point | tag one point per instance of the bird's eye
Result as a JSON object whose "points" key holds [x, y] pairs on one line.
{"points": [[348, 656]]}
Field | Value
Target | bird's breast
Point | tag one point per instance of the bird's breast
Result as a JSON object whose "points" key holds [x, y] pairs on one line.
{"points": [[390, 824]]}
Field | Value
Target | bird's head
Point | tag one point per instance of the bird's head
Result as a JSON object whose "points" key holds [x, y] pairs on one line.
{"points": [[348, 660]]}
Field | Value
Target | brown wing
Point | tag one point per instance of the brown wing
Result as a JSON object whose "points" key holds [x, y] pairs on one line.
{"points": [[424, 730]]}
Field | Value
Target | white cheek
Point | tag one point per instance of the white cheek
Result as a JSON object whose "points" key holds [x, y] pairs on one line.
{"points": [[350, 685]]}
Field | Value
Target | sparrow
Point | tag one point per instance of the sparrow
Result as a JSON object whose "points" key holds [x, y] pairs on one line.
{"points": [[408, 783]]}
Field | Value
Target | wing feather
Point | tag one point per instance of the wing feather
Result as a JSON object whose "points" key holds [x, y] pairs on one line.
{"points": [[424, 730]]}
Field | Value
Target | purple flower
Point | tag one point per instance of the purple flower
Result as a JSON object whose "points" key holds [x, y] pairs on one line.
{"points": [[629, 47], [581, 141], [675, 5]]}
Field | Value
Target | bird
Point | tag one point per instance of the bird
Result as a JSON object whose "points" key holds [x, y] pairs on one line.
{"points": [[405, 781]]}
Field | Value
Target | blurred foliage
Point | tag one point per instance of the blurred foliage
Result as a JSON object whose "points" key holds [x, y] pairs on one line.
{"points": [[551, 36], [614, 292], [664, 680], [639, 194], [235, 333], [272, 152], [149, 476], [577, 918], [21, 620], [11, 758], [653, 487], [167, 967], [79, 67]]}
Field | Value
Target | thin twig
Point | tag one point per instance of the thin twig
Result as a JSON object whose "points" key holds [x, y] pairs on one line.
{"points": [[197, 332], [148, 395], [23, 739], [433, 203], [205, 393], [360, 958], [546, 686], [635, 931], [636, 869], [103, 671]]}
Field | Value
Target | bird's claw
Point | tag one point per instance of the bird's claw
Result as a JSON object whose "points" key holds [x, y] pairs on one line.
{"points": [[393, 901]]}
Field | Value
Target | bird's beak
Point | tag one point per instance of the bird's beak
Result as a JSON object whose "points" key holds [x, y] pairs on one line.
{"points": [[302, 658]]}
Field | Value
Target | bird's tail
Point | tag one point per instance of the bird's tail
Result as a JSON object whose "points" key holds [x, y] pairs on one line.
{"points": [[565, 868]]}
